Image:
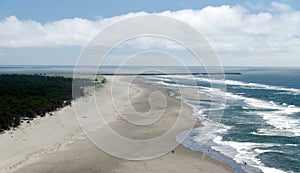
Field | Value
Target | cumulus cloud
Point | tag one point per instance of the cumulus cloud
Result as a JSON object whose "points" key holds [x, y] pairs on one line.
{"points": [[17, 33], [228, 28], [67, 32]]}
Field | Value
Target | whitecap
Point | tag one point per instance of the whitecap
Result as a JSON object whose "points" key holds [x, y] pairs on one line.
{"points": [[248, 85], [245, 152], [270, 170], [276, 115]]}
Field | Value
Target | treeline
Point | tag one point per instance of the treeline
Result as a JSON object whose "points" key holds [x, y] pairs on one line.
{"points": [[32, 95]]}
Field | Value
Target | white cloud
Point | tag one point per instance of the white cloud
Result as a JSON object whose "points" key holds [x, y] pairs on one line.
{"points": [[66, 32], [230, 29], [280, 7], [17, 33]]}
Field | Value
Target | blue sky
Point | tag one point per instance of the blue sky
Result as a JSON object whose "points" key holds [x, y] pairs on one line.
{"points": [[49, 10], [255, 32]]}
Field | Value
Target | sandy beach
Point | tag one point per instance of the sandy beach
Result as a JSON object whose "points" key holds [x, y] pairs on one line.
{"points": [[57, 143]]}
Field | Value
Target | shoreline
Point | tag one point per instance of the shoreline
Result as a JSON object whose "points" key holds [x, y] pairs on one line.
{"points": [[81, 155], [206, 152]]}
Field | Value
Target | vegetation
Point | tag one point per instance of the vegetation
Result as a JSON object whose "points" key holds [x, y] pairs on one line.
{"points": [[31, 95], [99, 81]]}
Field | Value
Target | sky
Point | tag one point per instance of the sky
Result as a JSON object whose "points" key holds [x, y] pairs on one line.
{"points": [[247, 33]]}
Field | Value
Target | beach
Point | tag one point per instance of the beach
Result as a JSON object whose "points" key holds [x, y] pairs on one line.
{"points": [[58, 144]]}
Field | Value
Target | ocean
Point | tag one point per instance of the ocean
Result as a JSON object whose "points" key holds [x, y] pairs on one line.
{"points": [[260, 127], [259, 130]]}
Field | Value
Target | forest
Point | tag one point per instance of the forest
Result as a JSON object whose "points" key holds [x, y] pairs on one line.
{"points": [[28, 96]]}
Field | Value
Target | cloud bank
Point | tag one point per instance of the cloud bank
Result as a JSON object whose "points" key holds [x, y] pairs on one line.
{"points": [[228, 28]]}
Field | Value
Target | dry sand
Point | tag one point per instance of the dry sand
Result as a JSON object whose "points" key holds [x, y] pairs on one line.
{"points": [[57, 144]]}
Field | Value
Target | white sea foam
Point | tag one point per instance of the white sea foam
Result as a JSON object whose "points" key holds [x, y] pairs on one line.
{"points": [[229, 82], [284, 124], [261, 151], [247, 152], [209, 131], [270, 170], [291, 145], [273, 132], [248, 85], [160, 78], [176, 85], [239, 151], [278, 116]]}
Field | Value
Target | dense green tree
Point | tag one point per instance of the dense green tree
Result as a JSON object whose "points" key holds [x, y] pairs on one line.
{"points": [[32, 95]]}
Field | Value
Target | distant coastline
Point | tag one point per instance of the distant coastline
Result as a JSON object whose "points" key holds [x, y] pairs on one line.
{"points": [[149, 74]]}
